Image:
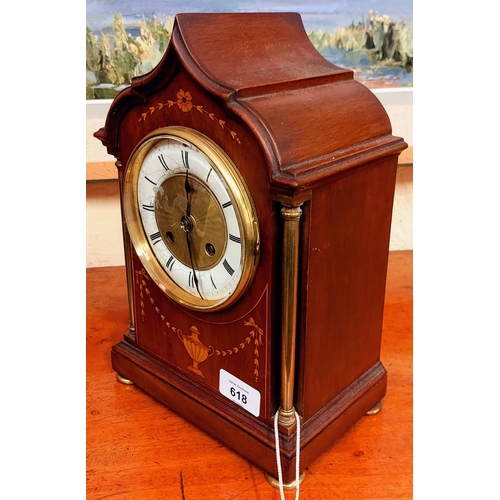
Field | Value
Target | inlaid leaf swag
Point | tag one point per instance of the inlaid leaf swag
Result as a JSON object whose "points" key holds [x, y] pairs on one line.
{"points": [[255, 336], [140, 279], [185, 104]]}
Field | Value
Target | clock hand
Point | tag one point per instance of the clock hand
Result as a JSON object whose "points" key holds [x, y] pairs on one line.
{"points": [[187, 188], [188, 240], [187, 225]]}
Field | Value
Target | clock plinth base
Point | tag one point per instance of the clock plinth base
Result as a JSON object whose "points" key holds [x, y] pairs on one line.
{"points": [[274, 482], [251, 437]]}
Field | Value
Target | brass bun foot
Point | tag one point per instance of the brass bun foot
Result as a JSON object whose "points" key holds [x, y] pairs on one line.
{"points": [[375, 409], [123, 380], [286, 486]]}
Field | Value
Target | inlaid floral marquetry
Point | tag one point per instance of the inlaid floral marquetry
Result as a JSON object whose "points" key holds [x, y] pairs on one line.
{"points": [[185, 104]]}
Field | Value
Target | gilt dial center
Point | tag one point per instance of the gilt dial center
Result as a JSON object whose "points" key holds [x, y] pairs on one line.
{"points": [[198, 214]]}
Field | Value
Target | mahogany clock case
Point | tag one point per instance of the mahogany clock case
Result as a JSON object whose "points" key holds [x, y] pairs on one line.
{"points": [[302, 133]]}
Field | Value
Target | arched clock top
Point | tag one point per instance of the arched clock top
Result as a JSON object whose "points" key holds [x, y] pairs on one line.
{"points": [[252, 54]]}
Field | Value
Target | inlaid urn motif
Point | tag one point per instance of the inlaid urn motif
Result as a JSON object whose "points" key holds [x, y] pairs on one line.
{"points": [[198, 351]]}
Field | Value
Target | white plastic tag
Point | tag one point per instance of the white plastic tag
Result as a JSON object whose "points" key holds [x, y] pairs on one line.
{"points": [[238, 391]]}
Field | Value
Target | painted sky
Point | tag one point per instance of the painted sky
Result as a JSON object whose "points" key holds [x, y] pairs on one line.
{"points": [[316, 14]]}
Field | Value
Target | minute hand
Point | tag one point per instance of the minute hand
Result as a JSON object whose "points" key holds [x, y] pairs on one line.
{"points": [[187, 228]]}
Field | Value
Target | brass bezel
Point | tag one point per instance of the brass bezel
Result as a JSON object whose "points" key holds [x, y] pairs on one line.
{"points": [[239, 194]]}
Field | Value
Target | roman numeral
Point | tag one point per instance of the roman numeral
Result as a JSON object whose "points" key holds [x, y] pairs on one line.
{"points": [[155, 237], [191, 282], [170, 262], [185, 158], [163, 162], [209, 174], [234, 238], [149, 208], [154, 183], [227, 267], [227, 204]]}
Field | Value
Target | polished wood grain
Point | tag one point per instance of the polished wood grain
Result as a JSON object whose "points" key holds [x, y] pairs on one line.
{"points": [[139, 449]]}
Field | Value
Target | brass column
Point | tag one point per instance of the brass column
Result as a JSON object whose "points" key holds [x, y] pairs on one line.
{"points": [[128, 265], [291, 216]]}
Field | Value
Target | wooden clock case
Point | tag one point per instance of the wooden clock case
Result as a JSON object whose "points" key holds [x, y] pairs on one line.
{"points": [[316, 152]]}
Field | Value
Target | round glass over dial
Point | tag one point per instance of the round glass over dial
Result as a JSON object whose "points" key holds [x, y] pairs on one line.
{"points": [[190, 218]]}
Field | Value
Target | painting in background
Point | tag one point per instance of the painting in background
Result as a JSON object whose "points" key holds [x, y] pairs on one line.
{"points": [[374, 38]]}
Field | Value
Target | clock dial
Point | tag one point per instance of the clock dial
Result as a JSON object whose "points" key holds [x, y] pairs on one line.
{"points": [[191, 218]]}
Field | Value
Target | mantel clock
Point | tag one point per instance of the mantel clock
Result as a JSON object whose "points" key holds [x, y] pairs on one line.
{"points": [[257, 183]]}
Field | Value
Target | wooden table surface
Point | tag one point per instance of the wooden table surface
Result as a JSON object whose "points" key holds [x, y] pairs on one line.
{"points": [[139, 449]]}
